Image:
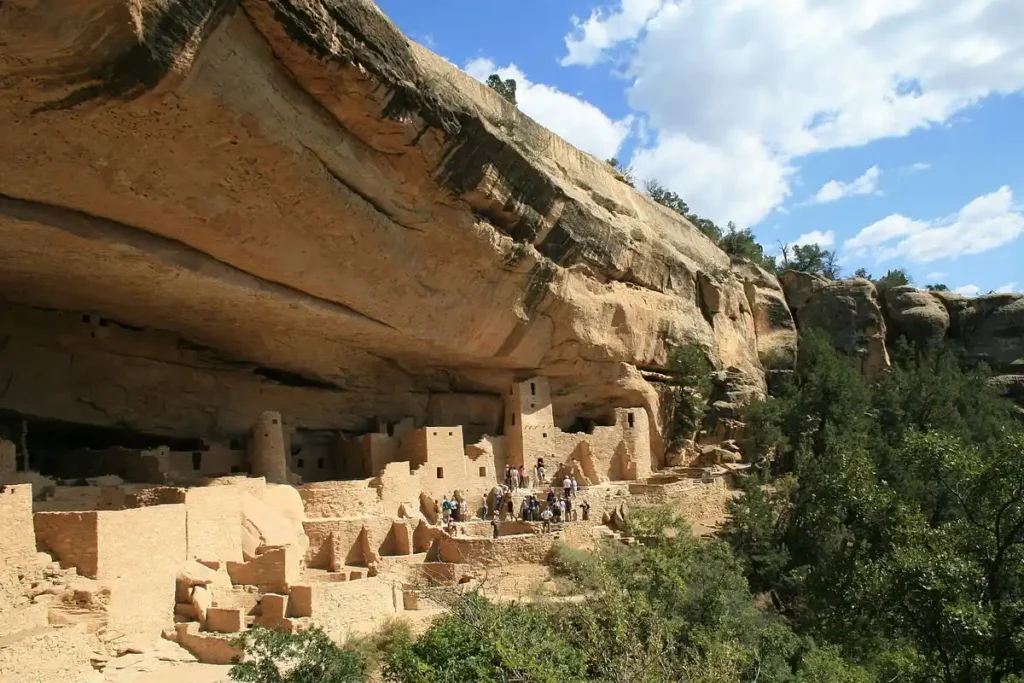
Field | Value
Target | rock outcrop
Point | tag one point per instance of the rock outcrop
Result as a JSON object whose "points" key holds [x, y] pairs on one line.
{"points": [[286, 204], [917, 314], [848, 310]]}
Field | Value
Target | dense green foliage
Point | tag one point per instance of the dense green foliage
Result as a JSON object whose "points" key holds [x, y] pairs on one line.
{"points": [[504, 87], [676, 608], [810, 258], [893, 526], [306, 657]]}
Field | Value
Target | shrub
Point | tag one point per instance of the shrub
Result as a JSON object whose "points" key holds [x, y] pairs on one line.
{"points": [[305, 657]]}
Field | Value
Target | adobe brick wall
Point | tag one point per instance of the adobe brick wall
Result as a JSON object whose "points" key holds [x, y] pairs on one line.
{"points": [[214, 523], [339, 499], [140, 554], [525, 549], [72, 537], [19, 544], [343, 607]]}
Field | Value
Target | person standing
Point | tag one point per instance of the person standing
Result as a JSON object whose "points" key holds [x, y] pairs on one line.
{"points": [[567, 486], [524, 480], [546, 517], [446, 510], [514, 478], [586, 510], [575, 486]]}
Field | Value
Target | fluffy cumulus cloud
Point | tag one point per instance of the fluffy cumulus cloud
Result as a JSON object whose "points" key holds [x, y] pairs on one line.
{"points": [[576, 120], [822, 239], [836, 189], [761, 82], [985, 223], [1008, 288], [968, 290]]}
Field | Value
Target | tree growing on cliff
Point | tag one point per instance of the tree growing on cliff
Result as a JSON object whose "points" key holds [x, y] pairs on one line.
{"points": [[504, 87], [897, 277], [622, 172], [937, 288], [811, 258]]}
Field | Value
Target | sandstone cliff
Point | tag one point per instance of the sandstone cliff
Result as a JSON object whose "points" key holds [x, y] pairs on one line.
{"points": [[860, 320], [212, 208]]}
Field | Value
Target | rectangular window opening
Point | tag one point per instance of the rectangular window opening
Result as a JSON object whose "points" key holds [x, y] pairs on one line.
{"points": [[440, 473], [533, 389], [629, 418], [483, 471], [320, 463]]}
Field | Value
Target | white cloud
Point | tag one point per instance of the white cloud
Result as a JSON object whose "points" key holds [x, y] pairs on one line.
{"points": [[968, 290], [822, 239], [1008, 288], [575, 120], [795, 77], [985, 223], [920, 166], [934, 276], [604, 30], [836, 189], [710, 174]]}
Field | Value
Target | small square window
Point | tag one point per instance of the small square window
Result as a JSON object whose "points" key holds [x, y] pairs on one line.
{"points": [[440, 473], [435, 433], [273, 421], [483, 471], [545, 435], [451, 433]]}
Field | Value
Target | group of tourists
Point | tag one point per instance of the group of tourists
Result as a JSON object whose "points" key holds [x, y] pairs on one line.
{"points": [[556, 507]]}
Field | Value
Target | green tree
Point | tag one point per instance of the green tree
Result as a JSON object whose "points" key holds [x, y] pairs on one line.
{"points": [[743, 243], [691, 377], [305, 657], [862, 274], [666, 197], [894, 278], [622, 172], [504, 87], [937, 288], [813, 258]]}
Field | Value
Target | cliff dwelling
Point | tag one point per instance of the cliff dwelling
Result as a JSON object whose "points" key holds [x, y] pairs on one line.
{"points": [[277, 283]]}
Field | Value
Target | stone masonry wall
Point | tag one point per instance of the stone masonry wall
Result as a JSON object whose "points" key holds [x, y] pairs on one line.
{"points": [[72, 537]]}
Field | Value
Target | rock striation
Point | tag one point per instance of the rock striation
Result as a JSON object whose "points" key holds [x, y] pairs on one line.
{"points": [[207, 204]]}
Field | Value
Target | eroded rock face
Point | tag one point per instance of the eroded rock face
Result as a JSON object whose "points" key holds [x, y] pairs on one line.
{"points": [[848, 310], [917, 314], [311, 214], [774, 327], [990, 328]]}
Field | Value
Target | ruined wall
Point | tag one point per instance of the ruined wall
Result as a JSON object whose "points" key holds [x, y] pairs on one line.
{"points": [[214, 523], [19, 543], [341, 499], [72, 537], [339, 607], [140, 553], [524, 549]]}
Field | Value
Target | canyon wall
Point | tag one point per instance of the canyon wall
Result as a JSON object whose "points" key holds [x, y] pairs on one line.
{"points": [[210, 209]]}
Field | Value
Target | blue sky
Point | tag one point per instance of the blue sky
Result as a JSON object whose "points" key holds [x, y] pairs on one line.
{"points": [[889, 130]]}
